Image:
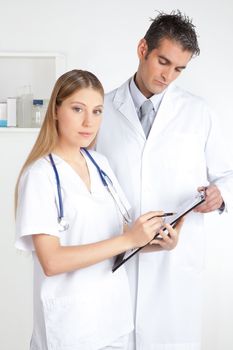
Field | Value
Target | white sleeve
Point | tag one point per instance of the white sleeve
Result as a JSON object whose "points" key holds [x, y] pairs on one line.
{"points": [[36, 210], [219, 157]]}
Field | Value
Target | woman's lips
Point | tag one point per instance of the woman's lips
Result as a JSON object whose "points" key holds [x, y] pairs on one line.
{"points": [[86, 134]]}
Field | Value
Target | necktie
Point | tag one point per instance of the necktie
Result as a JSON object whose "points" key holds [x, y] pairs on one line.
{"points": [[147, 116]]}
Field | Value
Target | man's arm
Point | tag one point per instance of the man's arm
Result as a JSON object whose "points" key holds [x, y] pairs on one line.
{"points": [[219, 166]]}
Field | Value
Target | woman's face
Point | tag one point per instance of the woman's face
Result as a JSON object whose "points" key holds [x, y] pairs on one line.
{"points": [[79, 117]]}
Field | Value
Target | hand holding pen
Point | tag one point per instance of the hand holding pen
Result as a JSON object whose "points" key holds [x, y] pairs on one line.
{"points": [[143, 229], [168, 240], [146, 226]]}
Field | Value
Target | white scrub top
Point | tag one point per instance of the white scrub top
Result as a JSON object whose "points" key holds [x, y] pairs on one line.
{"points": [[89, 308]]}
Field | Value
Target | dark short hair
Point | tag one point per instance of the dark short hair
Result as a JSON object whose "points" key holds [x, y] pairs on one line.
{"points": [[174, 26]]}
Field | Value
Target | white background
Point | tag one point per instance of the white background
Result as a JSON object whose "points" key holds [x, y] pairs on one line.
{"points": [[102, 36]]}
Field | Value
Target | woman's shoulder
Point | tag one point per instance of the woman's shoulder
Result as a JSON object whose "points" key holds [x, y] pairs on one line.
{"points": [[39, 165], [39, 170]]}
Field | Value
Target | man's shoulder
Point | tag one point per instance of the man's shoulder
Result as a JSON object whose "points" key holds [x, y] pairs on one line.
{"points": [[119, 91], [109, 96], [186, 99], [186, 95]]}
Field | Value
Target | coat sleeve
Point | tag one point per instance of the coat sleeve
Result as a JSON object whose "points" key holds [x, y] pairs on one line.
{"points": [[219, 158]]}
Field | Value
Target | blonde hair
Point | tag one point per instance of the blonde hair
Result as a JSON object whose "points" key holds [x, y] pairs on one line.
{"points": [[65, 86]]}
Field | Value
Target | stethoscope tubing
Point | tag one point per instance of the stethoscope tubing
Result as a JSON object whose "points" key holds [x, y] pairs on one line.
{"points": [[114, 193], [103, 177], [61, 210], [102, 174]]}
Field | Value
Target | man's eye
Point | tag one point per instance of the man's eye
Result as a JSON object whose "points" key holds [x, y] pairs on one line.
{"points": [[162, 62]]}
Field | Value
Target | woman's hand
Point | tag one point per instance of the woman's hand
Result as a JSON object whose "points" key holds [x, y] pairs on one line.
{"points": [[144, 229], [170, 240]]}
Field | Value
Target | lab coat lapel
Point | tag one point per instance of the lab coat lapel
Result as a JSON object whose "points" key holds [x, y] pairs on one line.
{"points": [[165, 113], [124, 104]]}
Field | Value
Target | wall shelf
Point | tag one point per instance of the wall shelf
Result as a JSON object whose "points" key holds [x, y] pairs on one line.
{"points": [[18, 130], [37, 70]]}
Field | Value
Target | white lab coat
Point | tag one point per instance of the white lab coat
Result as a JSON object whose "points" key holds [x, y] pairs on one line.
{"points": [[80, 309], [184, 150]]}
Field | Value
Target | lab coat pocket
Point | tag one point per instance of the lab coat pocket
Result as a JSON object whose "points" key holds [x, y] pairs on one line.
{"points": [[69, 322], [185, 153]]}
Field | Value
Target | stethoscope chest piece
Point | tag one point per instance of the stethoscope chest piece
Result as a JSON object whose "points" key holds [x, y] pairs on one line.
{"points": [[63, 225]]}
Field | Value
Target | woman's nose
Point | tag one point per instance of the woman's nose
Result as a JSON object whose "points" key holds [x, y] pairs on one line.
{"points": [[87, 119]]}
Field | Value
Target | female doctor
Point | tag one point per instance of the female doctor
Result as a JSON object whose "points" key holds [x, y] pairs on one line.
{"points": [[70, 214]]}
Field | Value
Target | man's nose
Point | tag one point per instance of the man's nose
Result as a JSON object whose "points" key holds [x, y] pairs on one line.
{"points": [[167, 75]]}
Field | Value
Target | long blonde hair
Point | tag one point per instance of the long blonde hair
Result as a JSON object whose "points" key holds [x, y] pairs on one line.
{"points": [[65, 86]]}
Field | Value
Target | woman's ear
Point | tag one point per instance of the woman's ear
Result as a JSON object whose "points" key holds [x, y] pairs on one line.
{"points": [[142, 49]]}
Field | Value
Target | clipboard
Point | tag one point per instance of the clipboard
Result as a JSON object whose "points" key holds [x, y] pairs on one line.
{"points": [[182, 210]]}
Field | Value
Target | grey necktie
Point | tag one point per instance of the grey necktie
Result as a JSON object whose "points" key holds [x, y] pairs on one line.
{"points": [[147, 116]]}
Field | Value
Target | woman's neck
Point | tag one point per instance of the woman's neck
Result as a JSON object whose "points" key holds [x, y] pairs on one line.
{"points": [[70, 154], [74, 157]]}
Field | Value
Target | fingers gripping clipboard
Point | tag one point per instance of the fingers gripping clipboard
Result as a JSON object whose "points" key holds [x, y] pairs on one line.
{"points": [[182, 210]]}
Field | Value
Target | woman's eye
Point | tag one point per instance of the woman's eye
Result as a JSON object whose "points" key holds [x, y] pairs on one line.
{"points": [[98, 111], [77, 109]]}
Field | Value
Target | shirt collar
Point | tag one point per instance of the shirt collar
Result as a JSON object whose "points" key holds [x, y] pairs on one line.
{"points": [[139, 98]]}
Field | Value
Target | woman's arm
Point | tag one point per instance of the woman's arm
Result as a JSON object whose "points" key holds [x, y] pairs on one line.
{"points": [[56, 259]]}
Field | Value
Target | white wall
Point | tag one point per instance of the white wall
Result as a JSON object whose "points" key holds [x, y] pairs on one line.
{"points": [[102, 36]]}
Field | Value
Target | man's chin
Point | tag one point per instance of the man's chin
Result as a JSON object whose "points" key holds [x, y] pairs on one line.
{"points": [[159, 90]]}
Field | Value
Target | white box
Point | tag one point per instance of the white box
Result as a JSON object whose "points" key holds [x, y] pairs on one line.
{"points": [[11, 111]]}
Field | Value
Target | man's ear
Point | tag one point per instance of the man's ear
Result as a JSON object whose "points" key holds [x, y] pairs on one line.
{"points": [[142, 49]]}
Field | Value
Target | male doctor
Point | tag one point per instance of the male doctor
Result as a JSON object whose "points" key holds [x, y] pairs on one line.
{"points": [[163, 144]]}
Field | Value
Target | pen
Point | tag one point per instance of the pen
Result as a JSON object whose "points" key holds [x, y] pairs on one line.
{"points": [[163, 215]]}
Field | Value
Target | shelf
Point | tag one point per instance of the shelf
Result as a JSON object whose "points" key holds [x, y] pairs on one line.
{"points": [[19, 130], [31, 54], [33, 72]]}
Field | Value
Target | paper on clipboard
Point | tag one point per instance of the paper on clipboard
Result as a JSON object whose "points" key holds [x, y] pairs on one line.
{"points": [[185, 208], [182, 210]]}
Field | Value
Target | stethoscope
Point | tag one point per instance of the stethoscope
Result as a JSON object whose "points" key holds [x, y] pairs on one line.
{"points": [[106, 181]]}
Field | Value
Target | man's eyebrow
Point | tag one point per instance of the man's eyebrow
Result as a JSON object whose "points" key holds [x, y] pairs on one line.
{"points": [[169, 62], [165, 58]]}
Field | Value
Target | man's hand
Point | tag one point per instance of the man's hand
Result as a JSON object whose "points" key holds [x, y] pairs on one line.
{"points": [[213, 200]]}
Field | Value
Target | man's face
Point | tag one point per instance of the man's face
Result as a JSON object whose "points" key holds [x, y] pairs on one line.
{"points": [[163, 65]]}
